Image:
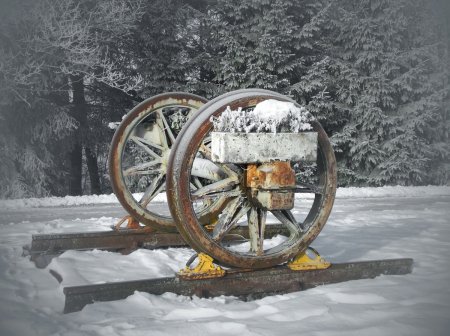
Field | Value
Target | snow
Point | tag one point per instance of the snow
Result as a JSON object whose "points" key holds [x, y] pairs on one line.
{"points": [[393, 191], [366, 223], [113, 125], [66, 201], [350, 192], [268, 116], [282, 113]]}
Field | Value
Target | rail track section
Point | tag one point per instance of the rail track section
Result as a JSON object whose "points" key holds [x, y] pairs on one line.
{"points": [[245, 284], [45, 247]]}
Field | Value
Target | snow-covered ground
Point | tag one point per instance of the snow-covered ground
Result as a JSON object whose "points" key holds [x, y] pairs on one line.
{"points": [[352, 192], [366, 223]]}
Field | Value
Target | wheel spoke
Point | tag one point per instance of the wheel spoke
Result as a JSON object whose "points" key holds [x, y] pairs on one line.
{"points": [[287, 218], [157, 185], [147, 142], [195, 185], [139, 169], [205, 151], [256, 228], [138, 142], [302, 187], [231, 170], [237, 208], [161, 127], [215, 187], [166, 126], [197, 182], [223, 194], [207, 169]]}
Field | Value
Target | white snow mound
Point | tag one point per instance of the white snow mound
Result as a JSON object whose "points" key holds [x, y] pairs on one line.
{"points": [[268, 116]]}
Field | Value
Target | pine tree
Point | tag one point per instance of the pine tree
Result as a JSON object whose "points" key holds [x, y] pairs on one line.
{"points": [[51, 53], [156, 47], [265, 44], [201, 48], [386, 80], [29, 121]]}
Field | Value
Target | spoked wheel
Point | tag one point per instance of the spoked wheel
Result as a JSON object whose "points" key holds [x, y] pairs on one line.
{"points": [[240, 209], [139, 154]]}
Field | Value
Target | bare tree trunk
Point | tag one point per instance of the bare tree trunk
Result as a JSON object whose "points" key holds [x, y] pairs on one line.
{"points": [[75, 157], [91, 160], [76, 153]]}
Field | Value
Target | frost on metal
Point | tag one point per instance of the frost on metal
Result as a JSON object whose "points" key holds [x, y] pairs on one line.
{"points": [[269, 116]]}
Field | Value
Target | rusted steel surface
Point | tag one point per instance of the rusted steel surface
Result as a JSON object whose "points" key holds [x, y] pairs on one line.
{"points": [[263, 147], [44, 247], [271, 177], [245, 285]]}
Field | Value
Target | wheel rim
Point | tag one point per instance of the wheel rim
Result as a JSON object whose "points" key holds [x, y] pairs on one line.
{"points": [[181, 199], [139, 153]]}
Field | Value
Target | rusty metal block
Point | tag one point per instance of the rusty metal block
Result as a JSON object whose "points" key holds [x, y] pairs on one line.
{"points": [[263, 147], [275, 200], [270, 175], [266, 182]]}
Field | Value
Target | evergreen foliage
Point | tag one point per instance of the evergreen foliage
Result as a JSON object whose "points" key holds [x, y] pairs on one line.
{"points": [[264, 44], [374, 72], [387, 74]]}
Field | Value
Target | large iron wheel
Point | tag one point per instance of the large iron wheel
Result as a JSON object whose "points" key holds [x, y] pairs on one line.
{"points": [[238, 209], [139, 153]]}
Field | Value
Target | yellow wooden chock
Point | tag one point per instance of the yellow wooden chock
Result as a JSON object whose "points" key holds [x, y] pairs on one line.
{"points": [[303, 261], [205, 269]]}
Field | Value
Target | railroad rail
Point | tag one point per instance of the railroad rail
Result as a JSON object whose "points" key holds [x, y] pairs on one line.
{"points": [[246, 285], [45, 247]]}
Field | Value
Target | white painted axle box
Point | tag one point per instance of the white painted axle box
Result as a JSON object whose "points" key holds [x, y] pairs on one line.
{"points": [[229, 147]]}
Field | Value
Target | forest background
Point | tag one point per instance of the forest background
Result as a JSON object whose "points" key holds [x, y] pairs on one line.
{"points": [[374, 72]]}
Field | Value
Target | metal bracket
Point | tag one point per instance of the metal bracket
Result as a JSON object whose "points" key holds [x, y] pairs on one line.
{"points": [[303, 261], [131, 224], [205, 269]]}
